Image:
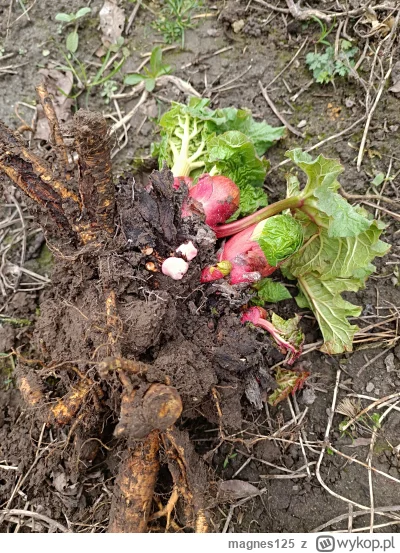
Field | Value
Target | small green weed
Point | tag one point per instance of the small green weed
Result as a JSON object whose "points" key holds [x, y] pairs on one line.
{"points": [[157, 69], [175, 18], [72, 41], [325, 66], [229, 458], [84, 82]]}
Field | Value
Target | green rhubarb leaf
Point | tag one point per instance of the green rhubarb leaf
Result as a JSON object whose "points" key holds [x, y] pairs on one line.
{"points": [[233, 155], [279, 237], [261, 134], [321, 201], [331, 310], [251, 199], [324, 268], [269, 291]]}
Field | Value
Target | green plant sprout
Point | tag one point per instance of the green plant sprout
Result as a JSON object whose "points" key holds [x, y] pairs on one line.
{"points": [[175, 18], [229, 458], [149, 77], [324, 31], [72, 41], [326, 65], [86, 82]]}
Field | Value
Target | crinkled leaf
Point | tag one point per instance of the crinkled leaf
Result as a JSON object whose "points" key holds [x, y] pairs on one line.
{"points": [[233, 155], [269, 291], [251, 199], [236, 158], [321, 200], [288, 382], [324, 268], [331, 310], [279, 237], [289, 331], [261, 134]]}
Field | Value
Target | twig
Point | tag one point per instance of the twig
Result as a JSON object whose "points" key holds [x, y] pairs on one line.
{"points": [[289, 64], [305, 14], [322, 142], [238, 504], [131, 113], [300, 437], [350, 522], [182, 85], [277, 113], [234, 79], [38, 516], [367, 409], [26, 12], [365, 465], [356, 514], [132, 16], [206, 57], [371, 112], [271, 7], [369, 197], [391, 213]]}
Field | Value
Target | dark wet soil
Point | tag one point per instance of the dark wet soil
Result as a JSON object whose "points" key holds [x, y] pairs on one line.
{"points": [[189, 333]]}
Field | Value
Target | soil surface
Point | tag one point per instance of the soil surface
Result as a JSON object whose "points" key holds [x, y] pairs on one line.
{"points": [[187, 334]]}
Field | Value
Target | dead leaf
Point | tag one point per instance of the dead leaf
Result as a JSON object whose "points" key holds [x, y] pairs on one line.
{"points": [[383, 27], [230, 490], [56, 81], [112, 19]]}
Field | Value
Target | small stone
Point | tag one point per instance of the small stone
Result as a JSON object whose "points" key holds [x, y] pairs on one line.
{"points": [[213, 32], [238, 25], [295, 488], [369, 387], [349, 102], [302, 124], [150, 266], [389, 363], [45, 53]]}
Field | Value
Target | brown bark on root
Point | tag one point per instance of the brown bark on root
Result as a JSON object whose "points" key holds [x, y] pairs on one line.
{"points": [[134, 487]]}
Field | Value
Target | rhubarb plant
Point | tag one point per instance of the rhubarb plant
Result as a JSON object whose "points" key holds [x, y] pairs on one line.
{"points": [[196, 139], [340, 243]]}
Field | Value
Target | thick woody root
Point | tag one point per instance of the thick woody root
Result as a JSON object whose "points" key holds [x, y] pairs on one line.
{"points": [[157, 409], [82, 217], [55, 131], [67, 407], [110, 364], [189, 481], [32, 175], [134, 487], [95, 184], [31, 389]]}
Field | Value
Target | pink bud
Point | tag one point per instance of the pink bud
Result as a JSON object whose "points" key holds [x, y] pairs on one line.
{"points": [[188, 250], [247, 260], [175, 267], [218, 196]]}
